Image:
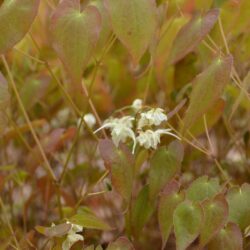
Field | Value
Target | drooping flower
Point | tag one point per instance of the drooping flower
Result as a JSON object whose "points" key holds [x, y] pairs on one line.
{"points": [[150, 139], [137, 104], [90, 120], [152, 117], [72, 236], [121, 129]]}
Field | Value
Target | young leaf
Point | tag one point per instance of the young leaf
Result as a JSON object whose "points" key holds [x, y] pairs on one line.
{"points": [[134, 23], [239, 205], [229, 238], [120, 162], [207, 88], [163, 168], [121, 244], [169, 200], [216, 215], [141, 211], [192, 34], [54, 231], [188, 218], [87, 219], [16, 17], [75, 33], [4, 102], [202, 188]]}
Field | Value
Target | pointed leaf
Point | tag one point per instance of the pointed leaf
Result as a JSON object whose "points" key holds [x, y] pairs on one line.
{"points": [[229, 238], [163, 168], [169, 200], [87, 219], [16, 17], [120, 162], [207, 88], [75, 33], [216, 215], [121, 244], [202, 188], [192, 34], [134, 23], [141, 211], [54, 231], [188, 219], [239, 205]]}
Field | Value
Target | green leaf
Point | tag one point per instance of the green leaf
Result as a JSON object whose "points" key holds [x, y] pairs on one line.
{"points": [[120, 162], [192, 34], [202, 188], [121, 244], [134, 23], [239, 205], [169, 200], [163, 167], [188, 219], [141, 211], [4, 103], [216, 215], [16, 18], [207, 89], [75, 33], [229, 238], [87, 219], [54, 231]]}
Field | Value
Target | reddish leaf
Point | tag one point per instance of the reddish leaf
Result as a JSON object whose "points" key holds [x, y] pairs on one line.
{"points": [[192, 34], [121, 243]]}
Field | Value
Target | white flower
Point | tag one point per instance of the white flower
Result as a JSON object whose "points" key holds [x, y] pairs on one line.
{"points": [[90, 120], [72, 236], [121, 129], [137, 104], [152, 117], [150, 138]]}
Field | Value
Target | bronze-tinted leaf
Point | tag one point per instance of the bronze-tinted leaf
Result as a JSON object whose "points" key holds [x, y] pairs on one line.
{"points": [[75, 33], [192, 34], [16, 17], [207, 89], [54, 231], [121, 244]]}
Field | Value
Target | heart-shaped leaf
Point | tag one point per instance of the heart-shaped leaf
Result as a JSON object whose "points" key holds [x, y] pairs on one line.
{"points": [[163, 167], [192, 34], [87, 219], [120, 161], [216, 215], [121, 244], [229, 238], [4, 102], [141, 211], [134, 23], [16, 17], [188, 219], [202, 188], [54, 231], [239, 205], [207, 89], [75, 33], [169, 200]]}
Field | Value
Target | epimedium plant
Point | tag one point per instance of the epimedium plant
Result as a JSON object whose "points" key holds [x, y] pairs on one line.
{"points": [[124, 124]]}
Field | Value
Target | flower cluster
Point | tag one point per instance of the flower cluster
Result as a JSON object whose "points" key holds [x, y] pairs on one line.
{"points": [[142, 130]]}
